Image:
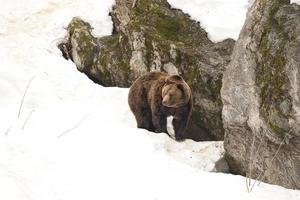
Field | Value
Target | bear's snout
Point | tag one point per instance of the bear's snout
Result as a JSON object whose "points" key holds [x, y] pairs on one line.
{"points": [[164, 102], [167, 101]]}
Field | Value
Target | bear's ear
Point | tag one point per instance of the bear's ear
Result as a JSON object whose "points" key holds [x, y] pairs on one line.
{"points": [[176, 78], [168, 81]]}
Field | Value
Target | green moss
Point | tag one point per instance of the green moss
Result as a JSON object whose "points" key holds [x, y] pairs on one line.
{"points": [[113, 41], [77, 23], [104, 74], [86, 49], [293, 40], [271, 76], [125, 69], [112, 63], [152, 17], [149, 53], [279, 131], [192, 74], [168, 27]]}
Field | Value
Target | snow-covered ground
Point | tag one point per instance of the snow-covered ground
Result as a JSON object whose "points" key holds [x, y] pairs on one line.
{"points": [[64, 138]]}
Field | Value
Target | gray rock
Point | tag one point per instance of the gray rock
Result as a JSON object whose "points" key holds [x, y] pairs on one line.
{"points": [[261, 94], [170, 68], [153, 36]]}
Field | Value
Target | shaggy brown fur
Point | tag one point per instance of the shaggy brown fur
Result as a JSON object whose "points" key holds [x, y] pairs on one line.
{"points": [[155, 96]]}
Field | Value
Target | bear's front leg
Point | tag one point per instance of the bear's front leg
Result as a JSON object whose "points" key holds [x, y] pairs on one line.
{"points": [[181, 119], [159, 122], [144, 121], [179, 125], [158, 119]]}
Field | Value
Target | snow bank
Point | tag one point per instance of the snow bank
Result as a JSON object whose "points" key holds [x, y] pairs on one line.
{"points": [[295, 1], [220, 18], [72, 139]]}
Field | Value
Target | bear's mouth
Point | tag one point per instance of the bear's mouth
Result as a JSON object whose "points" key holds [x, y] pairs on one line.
{"points": [[165, 104], [171, 105]]}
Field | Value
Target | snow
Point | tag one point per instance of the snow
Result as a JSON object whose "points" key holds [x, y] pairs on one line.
{"points": [[296, 1], [222, 19], [77, 140]]}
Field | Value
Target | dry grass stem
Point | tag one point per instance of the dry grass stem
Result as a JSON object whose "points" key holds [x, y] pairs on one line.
{"points": [[75, 126]]}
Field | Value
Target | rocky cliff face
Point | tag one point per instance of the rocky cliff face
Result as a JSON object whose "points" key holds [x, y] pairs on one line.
{"points": [[149, 35], [261, 95]]}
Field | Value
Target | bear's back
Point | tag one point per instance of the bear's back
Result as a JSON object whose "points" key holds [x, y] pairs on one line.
{"points": [[151, 82], [153, 76]]}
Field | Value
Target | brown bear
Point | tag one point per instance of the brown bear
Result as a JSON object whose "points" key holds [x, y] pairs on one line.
{"points": [[155, 96]]}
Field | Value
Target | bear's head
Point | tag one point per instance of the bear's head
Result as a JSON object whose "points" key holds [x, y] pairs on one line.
{"points": [[175, 92]]}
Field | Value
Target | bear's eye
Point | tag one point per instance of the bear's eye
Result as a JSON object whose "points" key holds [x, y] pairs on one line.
{"points": [[172, 96], [180, 87]]}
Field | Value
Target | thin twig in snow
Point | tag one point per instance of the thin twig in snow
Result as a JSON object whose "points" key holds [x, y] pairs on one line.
{"points": [[49, 51], [62, 134], [256, 153], [247, 184], [26, 90], [250, 162], [264, 173], [25, 122], [7, 131]]}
